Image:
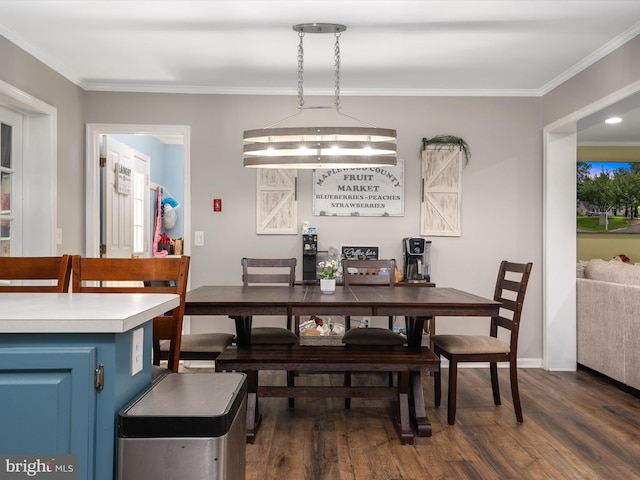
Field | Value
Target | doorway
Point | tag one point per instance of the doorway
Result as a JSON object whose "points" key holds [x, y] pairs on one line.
{"points": [[93, 207], [559, 237], [39, 170]]}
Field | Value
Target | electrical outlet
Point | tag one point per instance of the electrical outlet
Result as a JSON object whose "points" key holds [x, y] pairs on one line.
{"points": [[364, 322], [137, 351]]}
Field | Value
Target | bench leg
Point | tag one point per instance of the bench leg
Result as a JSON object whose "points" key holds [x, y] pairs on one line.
{"points": [[253, 412], [423, 426], [403, 422]]}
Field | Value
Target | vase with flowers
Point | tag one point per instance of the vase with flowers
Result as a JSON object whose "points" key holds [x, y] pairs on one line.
{"points": [[327, 274]]}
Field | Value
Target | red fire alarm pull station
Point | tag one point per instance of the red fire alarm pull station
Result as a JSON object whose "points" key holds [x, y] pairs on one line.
{"points": [[217, 204]]}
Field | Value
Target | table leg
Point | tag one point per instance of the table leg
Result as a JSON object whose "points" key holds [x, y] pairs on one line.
{"points": [[243, 329], [253, 412], [415, 325], [403, 422], [423, 427]]}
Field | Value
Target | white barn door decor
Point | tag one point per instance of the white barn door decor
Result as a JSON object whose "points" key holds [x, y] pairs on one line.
{"points": [[277, 203], [441, 191]]}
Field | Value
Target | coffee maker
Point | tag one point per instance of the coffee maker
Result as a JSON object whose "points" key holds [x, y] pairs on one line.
{"points": [[417, 268], [309, 254]]}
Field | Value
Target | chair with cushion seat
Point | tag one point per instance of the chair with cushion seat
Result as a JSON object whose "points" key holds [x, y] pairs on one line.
{"points": [[196, 346], [128, 275], [510, 289], [35, 274], [272, 271], [193, 346], [369, 272]]}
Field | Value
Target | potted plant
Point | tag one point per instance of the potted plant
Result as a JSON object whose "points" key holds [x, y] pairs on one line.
{"points": [[327, 273]]}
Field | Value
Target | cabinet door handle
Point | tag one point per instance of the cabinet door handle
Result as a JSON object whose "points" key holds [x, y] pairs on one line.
{"points": [[99, 377]]}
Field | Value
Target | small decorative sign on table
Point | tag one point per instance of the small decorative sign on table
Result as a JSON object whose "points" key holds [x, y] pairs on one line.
{"points": [[360, 252], [359, 192]]}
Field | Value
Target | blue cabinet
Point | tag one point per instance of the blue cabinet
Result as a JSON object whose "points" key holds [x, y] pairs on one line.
{"points": [[48, 398], [50, 347], [48, 402]]}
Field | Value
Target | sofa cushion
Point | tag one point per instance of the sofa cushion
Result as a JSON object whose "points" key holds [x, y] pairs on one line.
{"points": [[612, 271]]}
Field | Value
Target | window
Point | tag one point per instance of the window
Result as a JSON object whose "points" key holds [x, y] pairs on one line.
{"points": [[7, 180]]}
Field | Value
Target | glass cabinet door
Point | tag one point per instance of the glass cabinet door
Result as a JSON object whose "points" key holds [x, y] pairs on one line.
{"points": [[6, 178]]}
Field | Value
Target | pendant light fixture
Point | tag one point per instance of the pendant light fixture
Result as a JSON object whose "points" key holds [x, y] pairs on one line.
{"points": [[319, 146]]}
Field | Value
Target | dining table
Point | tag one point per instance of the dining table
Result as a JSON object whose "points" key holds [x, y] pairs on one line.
{"points": [[241, 303], [416, 305]]}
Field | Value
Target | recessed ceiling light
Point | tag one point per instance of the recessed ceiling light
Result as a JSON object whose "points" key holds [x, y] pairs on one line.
{"points": [[613, 120]]}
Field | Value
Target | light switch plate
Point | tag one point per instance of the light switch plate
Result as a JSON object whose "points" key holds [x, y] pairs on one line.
{"points": [[137, 351], [199, 238]]}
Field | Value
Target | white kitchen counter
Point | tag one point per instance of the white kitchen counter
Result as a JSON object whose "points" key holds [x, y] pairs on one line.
{"points": [[80, 312]]}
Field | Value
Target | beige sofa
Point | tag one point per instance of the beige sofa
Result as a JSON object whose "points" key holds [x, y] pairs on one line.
{"points": [[608, 319]]}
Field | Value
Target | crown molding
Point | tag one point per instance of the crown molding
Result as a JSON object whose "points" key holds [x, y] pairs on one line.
{"points": [[600, 53]]}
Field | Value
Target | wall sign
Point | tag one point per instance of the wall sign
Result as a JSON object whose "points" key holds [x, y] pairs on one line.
{"points": [[354, 192], [360, 253], [123, 179]]}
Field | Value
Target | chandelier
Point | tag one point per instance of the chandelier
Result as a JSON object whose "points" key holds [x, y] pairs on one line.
{"points": [[322, 146]]}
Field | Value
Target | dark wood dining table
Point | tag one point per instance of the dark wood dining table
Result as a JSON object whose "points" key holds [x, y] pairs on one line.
{"points": [[415, 304]]}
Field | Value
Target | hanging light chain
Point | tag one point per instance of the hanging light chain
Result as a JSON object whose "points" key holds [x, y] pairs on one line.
{"points": [[336, 58], [300, 71]]}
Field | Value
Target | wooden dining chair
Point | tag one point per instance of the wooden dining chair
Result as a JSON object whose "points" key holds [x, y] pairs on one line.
{"points": [[272, 271], [35, 274], [510, 290], [193, 346], [369, 272], [127, 275]]}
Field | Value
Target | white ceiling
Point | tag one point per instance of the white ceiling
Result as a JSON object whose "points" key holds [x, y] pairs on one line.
{"points": [[397, 47], [419, 47]]}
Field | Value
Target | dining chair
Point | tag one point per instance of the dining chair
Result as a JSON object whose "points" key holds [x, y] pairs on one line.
{"points": [[193, 346], [127, 275], [375, 273], [510, 290], [35, 274], [272, 271]]}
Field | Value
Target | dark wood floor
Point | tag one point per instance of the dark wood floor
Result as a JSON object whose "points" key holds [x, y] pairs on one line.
{"points": [[576, 426]]}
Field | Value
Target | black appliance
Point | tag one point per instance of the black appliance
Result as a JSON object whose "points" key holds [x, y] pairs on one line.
{"points": [[416, 252], [309, 257]]}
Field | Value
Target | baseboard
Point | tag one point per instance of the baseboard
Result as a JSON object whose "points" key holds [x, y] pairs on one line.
{"points": [[522, 363]]}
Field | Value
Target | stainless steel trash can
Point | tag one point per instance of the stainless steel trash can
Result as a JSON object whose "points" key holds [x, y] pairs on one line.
{"points": [[190, 426]]}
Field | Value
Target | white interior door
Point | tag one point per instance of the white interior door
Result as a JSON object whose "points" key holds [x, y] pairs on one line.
{"points": [[124, 224], [116, 226], [141, 204]]}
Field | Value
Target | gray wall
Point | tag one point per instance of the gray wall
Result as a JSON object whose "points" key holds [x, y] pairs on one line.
{"points": [[24, 72], [502, 185]]}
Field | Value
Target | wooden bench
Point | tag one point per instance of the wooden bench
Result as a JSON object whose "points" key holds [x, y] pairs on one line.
{"points": [[408, 363]]}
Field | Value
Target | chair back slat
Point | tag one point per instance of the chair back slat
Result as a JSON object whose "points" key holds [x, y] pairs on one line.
{"points": [[32, 271], [510, 292], [129, 275], [269, 270], [369, 272]]}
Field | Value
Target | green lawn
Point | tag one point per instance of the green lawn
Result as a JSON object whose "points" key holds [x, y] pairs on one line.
{"points": [[592, 224]]}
